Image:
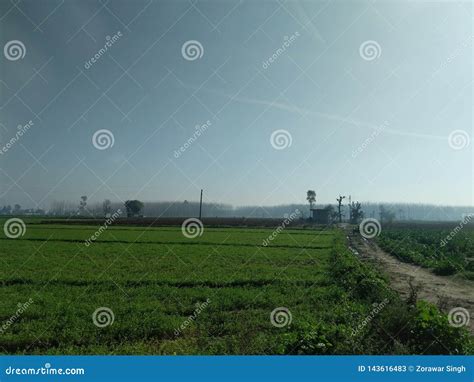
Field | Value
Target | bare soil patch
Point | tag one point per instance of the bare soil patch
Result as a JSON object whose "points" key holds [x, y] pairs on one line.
{"points": [[447, 292]]}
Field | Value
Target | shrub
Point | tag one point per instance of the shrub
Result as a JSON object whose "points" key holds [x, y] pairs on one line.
{"points": [[445, 268], [431, 333], [400, 327], [309, 340]]}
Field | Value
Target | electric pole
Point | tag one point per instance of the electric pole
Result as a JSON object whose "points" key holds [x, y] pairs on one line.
{"points": [[200, 207]]}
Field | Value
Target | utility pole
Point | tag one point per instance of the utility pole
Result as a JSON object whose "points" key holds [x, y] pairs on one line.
{"points": [[200, 207]]}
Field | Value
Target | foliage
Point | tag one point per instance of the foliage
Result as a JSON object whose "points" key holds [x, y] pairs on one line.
{"points": [[355, 212], [423, 246], [107, 207], [403, 327], [82, 204], [429, 332], [311, 198], [133, 208], [386, 214], [152, 279]]}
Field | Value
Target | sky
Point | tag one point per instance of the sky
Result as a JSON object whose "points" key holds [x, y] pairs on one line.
{"points": [[254, 101]]}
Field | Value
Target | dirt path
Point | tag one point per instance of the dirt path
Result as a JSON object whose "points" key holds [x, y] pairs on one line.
{"points": [[447, 292]]}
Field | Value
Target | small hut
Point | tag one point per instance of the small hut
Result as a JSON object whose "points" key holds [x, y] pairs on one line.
{"points": [[320, 215]]}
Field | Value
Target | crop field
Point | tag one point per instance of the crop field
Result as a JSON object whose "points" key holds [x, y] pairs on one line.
{"points": [[446, 249], [137, 290]]}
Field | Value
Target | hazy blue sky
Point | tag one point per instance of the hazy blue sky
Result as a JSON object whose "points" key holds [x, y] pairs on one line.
{"points": [[348, 69]]}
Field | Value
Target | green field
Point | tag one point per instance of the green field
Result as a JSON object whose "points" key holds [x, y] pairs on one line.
{"points": [[155, 279], [446, 249]]}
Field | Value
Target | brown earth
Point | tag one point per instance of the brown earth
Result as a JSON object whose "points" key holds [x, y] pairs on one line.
{"points": [[447, 292]]}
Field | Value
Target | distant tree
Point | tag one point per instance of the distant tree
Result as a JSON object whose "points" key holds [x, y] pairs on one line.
{"points": [[311, 198], [107, 207], [185, 208], [356, 213], [133, 207], [6, 210], [339, 207], [386, 215], [63, 208], [400, 214], [16, 209], [82, 204]]}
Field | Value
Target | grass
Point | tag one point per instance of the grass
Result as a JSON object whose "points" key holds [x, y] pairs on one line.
{"points": [[430, 248], [155, 279]]}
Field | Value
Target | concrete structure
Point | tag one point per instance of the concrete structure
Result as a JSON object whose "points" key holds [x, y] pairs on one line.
{"points": [[320, 215]]}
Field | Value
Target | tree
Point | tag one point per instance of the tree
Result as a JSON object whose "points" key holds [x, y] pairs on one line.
{"points": [[339, 207], [400, 214], [133, 207], [356, 213], [82, 204], [16, 209], [386, 215], [311, 198], [6, 210], [107, 207]]}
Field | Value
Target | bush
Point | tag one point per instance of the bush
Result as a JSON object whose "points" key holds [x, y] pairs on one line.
{"points": [[468, 275], [445, 268], [400, 327], [430, 332], [309, 340], [470, 266]]}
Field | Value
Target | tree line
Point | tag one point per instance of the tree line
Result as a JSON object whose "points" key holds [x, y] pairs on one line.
{"points": [[392, 211]]}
